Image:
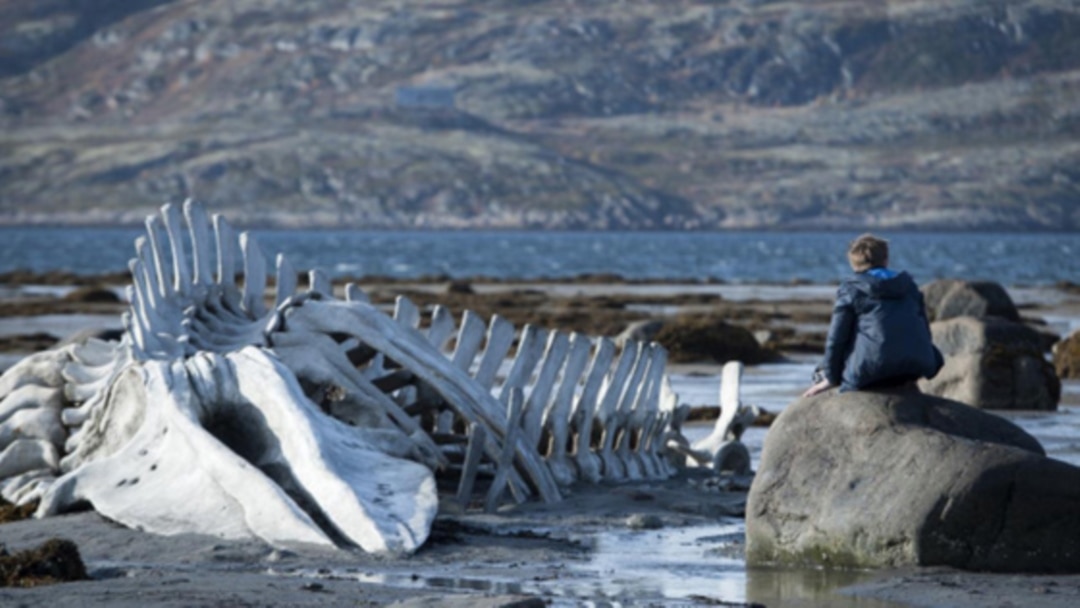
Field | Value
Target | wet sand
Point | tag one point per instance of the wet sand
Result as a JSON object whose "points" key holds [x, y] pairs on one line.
{"points": [[676, 542]]}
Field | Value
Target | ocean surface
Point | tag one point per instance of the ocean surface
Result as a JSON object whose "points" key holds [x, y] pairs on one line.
{"points": [[736, 257]]}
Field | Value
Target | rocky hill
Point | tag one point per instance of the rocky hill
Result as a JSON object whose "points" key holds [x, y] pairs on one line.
{"points": [[704, 114]]}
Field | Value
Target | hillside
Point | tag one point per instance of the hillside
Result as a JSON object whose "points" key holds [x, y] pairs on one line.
{"points": [[650, 114]]}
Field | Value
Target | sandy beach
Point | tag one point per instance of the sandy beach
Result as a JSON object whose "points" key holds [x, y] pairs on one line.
{"points": [[676, 542]]}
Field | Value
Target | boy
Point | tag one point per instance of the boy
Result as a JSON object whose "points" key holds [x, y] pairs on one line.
{"points": [[879, 335]]}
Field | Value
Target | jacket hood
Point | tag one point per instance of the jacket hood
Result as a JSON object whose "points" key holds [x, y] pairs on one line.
{"points": [[883, 285]]}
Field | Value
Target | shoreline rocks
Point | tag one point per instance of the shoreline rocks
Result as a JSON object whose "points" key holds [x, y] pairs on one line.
{"points": [[992, 363], [898, 478], [992, 359], [951, 298]]}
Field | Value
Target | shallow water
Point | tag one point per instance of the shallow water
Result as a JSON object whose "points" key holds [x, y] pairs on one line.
{"points": [[698, 565]]}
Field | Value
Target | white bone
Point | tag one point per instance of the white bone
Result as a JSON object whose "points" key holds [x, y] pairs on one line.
{"points": [[414, 352], [42, 369], [36, 423], [469, 469], [254, 275], [730, 380], [198, 226], [615, 428], [24, 455], [181, 273], [588, 463], [530, 348], [469, 338], [406, 313], [554, 356], [500, 337], [633, 414], [353, 293], [442, 326], [26, 487], [286, 280], [30, 396], [225, 242], [162, 272], [515, 404], [320, 283], [557, 415], [169, 475]]}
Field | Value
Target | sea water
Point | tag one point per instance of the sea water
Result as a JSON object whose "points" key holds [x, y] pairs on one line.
{"points": [[739, 257]]}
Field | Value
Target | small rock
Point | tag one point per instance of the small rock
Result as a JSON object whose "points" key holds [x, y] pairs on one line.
{"points": [[641, 521], [460, 287], [278, 555], [93, 294]]}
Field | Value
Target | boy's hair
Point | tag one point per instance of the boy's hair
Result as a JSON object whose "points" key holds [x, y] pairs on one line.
{"points": [[868, 251]]}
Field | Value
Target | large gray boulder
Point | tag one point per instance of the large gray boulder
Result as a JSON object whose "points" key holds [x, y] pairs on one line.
{"points": [[950, 298], [884, 479], [991, 363]]}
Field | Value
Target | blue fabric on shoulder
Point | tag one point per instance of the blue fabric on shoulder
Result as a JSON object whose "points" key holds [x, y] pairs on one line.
{"points": [[881, 273]]}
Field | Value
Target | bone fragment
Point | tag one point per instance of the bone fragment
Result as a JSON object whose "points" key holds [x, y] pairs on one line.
{"points": [[471, 466], [588, 463], [505, 462], [254, 276], [29, 397], [24, 455], [556, 418], [500, 337]]}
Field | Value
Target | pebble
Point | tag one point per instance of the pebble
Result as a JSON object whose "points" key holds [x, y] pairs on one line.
{"points": [[640, 521]]}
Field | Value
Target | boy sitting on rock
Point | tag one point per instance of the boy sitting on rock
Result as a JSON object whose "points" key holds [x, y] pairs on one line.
{"points": [[879, 336]]}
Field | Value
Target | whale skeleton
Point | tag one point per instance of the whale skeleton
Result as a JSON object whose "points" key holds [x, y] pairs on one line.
{"points": [[295, 416]]}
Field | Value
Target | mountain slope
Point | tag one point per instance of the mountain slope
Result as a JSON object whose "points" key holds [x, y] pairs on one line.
{"points": [[549, 113]]}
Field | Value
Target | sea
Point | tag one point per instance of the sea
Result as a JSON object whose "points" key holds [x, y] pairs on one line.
{"points": [[736, 257], [683, 563]]}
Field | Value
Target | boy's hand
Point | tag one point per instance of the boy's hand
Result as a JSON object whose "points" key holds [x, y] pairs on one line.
{"points": [[820, 387]]}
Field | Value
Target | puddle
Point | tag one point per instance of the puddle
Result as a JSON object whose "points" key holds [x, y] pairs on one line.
{"points": [[676, 563], [698, 565], [810, 588]]}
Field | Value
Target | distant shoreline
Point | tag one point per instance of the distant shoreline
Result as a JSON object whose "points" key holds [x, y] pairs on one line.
{"points": [[7, 223]]}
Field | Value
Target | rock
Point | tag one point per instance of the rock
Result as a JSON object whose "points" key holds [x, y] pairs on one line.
{"points": [[709, 338], [1067, 357], [642, 521], [639, 331], [1047, 337], [949, 298], [993, 364], [898, 478], [10, 512], [460, 287], [93, 294], [55, 561]]}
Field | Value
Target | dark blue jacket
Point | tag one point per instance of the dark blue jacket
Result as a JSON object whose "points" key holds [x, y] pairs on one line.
{"points": [[879, 332]]}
